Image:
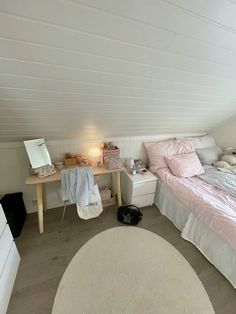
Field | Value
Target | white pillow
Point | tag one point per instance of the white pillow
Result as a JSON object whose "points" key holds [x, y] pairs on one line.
{"points": [[205, 141], [209, 155]]}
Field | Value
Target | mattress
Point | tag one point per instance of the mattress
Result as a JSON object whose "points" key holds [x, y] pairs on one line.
{"points": [[211, 244]]}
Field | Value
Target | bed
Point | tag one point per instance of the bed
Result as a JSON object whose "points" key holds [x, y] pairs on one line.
{"points": [[205, 215]]}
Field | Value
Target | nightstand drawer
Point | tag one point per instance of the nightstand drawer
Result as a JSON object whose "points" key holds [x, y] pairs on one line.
{"points": [[143, 200], [144, 188]]}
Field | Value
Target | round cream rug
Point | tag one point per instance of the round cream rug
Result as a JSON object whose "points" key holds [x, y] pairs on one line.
{"points": [[130, 270]]}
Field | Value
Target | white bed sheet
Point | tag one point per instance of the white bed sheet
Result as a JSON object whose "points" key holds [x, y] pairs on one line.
{"points": [[210, 244]]}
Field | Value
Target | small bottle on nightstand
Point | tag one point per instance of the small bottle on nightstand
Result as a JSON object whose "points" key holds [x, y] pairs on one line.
{"points": [[132, 168]]}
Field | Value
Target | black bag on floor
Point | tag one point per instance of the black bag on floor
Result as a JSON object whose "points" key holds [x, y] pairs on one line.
{"points": [[129, 214]]}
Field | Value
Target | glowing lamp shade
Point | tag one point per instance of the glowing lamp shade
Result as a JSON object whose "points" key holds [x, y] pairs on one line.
{"points": [[94, 152]]}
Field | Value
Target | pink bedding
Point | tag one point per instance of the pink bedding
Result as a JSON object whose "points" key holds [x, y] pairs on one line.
{"points": [[214, 207]]}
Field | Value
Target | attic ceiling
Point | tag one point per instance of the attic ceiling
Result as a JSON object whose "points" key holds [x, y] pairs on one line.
{"points": [[105, 68]]}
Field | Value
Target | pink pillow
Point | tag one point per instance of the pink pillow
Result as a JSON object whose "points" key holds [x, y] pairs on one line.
{"points": [[185, 165], [158, 150]]}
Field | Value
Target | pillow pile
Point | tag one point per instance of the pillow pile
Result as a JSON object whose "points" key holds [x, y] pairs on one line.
{"points": [[209, 155], [200, 142], [180, 157], [206, 149], [157, 151]]}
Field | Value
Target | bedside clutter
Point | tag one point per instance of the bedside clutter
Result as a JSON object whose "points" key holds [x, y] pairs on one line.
{"points": [[139, 189]]}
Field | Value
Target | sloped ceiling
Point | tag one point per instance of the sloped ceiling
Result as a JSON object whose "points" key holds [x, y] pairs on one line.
{"points": [[104, 68]]}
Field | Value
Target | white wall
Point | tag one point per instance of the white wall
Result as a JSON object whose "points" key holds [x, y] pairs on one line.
{"points": [[225, 134], [14, 164]]}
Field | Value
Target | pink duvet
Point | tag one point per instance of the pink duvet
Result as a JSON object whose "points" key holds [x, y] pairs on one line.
{"points": [[214, 207]]}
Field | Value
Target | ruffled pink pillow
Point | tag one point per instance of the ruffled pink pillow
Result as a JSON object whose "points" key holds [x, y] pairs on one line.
{"points": [[157, 151], [185, 165]]}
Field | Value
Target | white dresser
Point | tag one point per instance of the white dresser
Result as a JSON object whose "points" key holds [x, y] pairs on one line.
{"points": [[138, 189], [9, 262]]}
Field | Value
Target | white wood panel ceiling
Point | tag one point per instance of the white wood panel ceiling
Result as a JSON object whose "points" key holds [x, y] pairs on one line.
{"points": [[104, 68]]}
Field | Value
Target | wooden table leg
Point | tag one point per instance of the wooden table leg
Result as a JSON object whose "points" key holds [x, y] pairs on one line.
{"points": [[44, 199], [114, 183], [39, 193], [118, 190]]}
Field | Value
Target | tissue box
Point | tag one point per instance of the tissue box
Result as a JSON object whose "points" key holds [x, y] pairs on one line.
{"points": [[107, 198], [109, 202], [105, 194]]}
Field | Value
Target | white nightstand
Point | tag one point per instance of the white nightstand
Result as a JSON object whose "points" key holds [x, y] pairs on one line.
{"points": [[139, 189]]}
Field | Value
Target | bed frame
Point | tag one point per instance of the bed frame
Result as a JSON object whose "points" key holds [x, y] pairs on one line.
{"points": [[210, 244]]}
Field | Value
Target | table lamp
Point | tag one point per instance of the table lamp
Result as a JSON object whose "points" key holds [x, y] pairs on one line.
{"points": [[95, 154]]}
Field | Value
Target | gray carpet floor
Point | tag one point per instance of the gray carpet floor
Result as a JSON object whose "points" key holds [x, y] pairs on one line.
{"points": [[45, 257]]}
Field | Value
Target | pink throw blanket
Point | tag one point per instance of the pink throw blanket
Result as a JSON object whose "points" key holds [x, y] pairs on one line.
{"points": [[213, 206]]}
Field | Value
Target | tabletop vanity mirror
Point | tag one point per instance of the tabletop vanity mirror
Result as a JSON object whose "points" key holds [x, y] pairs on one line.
{"points": [[38, 153]]}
